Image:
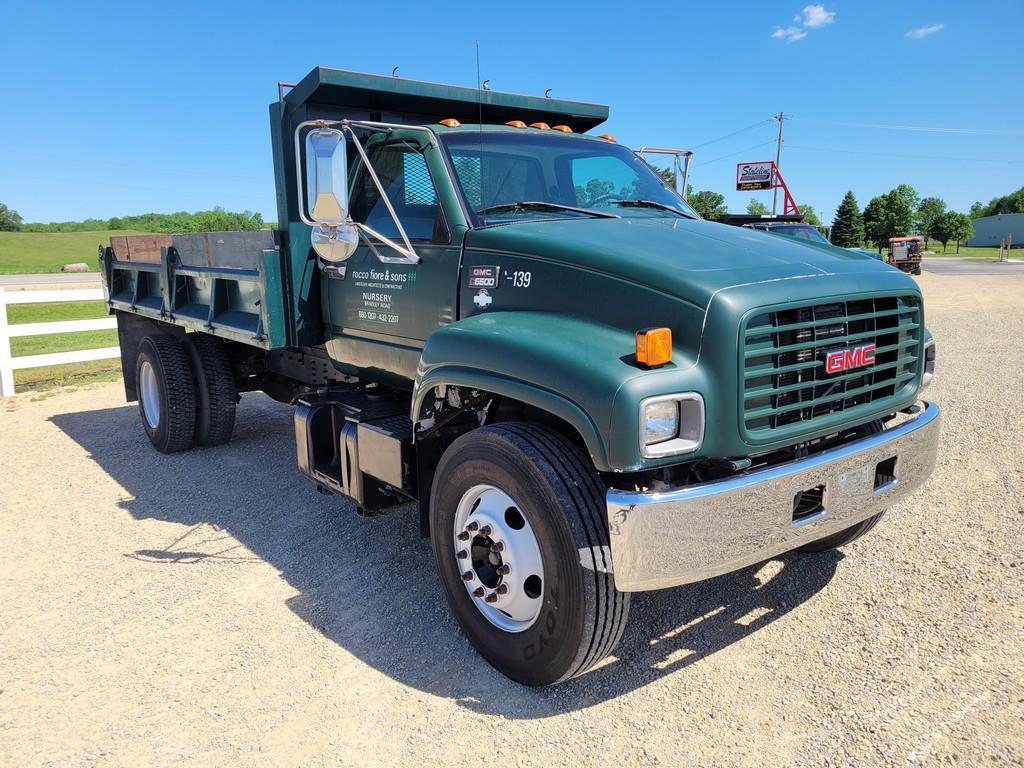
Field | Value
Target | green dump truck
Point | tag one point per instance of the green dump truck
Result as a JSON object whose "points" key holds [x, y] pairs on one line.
{"points": [[491, 318]]}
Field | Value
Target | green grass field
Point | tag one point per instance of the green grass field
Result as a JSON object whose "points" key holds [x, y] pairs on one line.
{"points": [[968, 253], [35, 379], [38, 252]]}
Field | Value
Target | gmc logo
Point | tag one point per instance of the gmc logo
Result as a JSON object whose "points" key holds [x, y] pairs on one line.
{"points": [[840, 360]]}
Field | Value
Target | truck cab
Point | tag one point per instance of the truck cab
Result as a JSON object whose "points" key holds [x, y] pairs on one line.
{"points": [[487, 316]]}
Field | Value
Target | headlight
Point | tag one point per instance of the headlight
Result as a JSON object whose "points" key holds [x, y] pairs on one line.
{"points": [[671, 424], [928, 371], [660, 422]]}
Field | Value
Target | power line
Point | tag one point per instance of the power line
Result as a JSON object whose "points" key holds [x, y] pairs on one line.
{"points": [[730, 135], [733, 154], [918, 128], [903, 155]]}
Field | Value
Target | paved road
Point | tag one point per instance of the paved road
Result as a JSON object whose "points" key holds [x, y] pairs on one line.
{"points": [[53, 278], [943, 266]]}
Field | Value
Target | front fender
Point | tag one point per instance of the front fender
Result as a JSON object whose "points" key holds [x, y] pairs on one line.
{"points": [[569, 367]]}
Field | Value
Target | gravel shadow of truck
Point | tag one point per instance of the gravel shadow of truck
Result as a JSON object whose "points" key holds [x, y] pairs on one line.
{"points": [[369, 585]]}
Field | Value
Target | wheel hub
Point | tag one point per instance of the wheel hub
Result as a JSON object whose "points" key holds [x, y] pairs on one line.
{"points": [[149, 393], [498, 558]]}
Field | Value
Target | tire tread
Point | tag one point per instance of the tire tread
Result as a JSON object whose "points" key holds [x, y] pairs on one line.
{"points": [[178, 391], [212, 367], [583, 487]]}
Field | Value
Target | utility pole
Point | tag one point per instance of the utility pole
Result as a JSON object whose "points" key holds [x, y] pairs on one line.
{"points": [[778, 156]]}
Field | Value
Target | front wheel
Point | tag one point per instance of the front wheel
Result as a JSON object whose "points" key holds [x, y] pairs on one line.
{"points": [[843, 537], [520, 539]]}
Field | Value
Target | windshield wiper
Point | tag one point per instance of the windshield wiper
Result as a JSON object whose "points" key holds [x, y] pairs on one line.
{"points": [[543, 206], [651, 204]]}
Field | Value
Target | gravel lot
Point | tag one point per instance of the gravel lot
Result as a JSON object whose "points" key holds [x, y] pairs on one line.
{"points": [[210, 608]]}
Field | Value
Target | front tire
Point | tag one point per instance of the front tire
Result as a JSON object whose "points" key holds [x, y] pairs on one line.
{"points": [[166, 394], [843, 537], [520, 540], [854, 532]]}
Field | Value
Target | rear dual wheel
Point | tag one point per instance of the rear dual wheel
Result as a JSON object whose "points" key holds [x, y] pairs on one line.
{"points": [[521, 545], [186, 391]]}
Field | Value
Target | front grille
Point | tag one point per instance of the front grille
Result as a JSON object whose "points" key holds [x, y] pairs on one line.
{"points": [[785, 385]]}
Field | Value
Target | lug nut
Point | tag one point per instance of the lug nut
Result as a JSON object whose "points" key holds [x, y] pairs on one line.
{"points": [[491, 598], [502, 589], [478, 592], [472, 527], [504, 570], [467, 576], [462, 554], [497, 547], [464, 536], [485, 531]]}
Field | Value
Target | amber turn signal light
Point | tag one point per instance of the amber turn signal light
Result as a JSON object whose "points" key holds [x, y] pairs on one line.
{"points": [[654, 346]]}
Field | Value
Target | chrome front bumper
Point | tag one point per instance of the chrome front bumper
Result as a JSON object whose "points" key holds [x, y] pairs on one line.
{"points": [[666, 538]]}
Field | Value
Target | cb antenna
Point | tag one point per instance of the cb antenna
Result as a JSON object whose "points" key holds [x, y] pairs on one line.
{"points": [[480, 119]]}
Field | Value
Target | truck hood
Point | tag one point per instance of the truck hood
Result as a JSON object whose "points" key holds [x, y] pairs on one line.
{"points": [[691, 260]]}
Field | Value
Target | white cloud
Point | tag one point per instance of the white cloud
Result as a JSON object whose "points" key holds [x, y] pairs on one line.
{"points": [[815, 16], [917, 34], [789, 34]]}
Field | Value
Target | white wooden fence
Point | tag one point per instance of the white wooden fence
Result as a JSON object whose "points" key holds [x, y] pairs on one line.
{"points": [[8, 364]]}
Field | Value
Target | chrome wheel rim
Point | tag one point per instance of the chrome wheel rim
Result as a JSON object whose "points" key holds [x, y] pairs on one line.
{"points": [[498, 558], [149, 394]]}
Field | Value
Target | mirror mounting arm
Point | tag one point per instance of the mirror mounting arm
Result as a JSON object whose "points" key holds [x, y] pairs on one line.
{"points": [[406, 250]]}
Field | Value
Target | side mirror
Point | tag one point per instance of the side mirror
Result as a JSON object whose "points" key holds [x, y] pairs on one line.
{"points": [[334, 238], [327, 176]]}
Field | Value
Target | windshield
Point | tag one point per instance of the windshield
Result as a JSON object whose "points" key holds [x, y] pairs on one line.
{"points": [[556, 176], [799, 231]]}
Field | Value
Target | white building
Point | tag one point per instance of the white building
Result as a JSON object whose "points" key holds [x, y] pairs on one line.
{"points": [[990, 230]]}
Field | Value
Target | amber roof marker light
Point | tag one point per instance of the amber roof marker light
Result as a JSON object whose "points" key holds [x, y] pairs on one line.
{"points": [[606, 137], [541, 126], [562, 128], [516, 124], [450, 122], [653, 346]]}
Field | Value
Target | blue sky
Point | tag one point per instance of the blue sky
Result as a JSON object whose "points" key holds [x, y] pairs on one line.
{"points": [[129, 107]]}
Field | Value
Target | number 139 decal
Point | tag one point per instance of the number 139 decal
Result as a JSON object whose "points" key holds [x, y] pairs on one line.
{"points": [[520, 279]]}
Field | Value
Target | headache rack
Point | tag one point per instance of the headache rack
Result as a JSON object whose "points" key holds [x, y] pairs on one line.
{"points": [[785, 389]]}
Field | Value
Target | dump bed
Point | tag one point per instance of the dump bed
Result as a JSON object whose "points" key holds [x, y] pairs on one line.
{"points": [[241, 286]]}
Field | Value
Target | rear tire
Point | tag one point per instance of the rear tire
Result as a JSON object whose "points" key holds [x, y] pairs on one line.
{"points": [[216, 396], [166, 393], [558, 499]]}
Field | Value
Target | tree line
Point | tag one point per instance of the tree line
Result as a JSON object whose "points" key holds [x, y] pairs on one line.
{"points": [[898, 213], [217, 220], [1011, 203]]}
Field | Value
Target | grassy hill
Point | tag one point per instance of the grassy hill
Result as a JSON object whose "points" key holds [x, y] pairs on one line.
{"points": [[37, 252]]}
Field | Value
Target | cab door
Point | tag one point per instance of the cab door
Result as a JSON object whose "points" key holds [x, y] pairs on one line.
{"points": [[380, 299]]}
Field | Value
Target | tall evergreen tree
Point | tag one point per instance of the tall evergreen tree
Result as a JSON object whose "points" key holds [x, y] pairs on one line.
{"points": [[848, 225]]}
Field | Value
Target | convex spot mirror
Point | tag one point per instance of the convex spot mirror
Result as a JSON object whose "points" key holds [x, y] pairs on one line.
{"points": [[335, 244]]}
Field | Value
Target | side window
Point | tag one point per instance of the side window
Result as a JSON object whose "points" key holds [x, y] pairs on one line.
{"points": [[404, 175]]}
